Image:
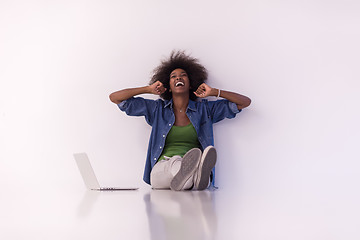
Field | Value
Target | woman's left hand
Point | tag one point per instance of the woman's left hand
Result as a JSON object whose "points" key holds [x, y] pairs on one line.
{"points": [[203, 90]]}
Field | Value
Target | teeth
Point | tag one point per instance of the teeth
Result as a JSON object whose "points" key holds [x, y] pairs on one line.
{"points": [[179, 83]]}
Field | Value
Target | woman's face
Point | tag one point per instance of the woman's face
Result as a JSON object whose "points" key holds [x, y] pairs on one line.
{"points": [[179, 81]]}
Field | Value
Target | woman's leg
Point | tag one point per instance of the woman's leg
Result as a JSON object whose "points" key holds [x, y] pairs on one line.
{"points": [[176, 173], [164, 171]]}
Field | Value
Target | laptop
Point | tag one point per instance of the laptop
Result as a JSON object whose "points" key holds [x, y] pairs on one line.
{"points": [[89, 176]]}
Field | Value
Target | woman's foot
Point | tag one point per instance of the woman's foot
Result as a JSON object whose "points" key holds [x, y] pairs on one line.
{"points": [[189, 165], [207, 163]]}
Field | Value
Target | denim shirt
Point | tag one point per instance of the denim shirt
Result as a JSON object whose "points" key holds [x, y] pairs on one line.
{"points": [[160, 115]]}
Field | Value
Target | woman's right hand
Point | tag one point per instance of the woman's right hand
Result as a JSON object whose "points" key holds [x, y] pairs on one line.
{"points": [[157, 88]]}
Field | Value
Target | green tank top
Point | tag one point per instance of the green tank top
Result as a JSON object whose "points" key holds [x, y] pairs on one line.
{"points": [[179, 140]]}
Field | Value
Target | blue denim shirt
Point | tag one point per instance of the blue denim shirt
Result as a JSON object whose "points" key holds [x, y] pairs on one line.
{"points": [[160, 115]]}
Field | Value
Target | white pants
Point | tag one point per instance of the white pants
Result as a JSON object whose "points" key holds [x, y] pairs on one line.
{"points": [[164, 171]]}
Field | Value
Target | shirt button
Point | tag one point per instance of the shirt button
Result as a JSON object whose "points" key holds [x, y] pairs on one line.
{"points": [[155, 159], [169, 124], [163, 136], [160, 147]]}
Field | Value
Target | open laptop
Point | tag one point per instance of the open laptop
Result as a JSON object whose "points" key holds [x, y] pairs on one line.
{"points": [[89, 176]]}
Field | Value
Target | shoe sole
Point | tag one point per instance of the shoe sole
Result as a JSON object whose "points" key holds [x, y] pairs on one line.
{"points": [[206, 164], [189, 165]]}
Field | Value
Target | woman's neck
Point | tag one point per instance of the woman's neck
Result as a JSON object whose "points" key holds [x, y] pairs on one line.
{"points": [[180, 103]]}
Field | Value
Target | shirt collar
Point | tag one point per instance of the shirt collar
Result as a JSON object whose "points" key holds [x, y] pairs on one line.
{"points": [[168, 103], [191, 106]]}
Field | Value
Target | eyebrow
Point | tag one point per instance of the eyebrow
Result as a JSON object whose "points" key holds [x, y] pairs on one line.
{"points": [[180, 73]]}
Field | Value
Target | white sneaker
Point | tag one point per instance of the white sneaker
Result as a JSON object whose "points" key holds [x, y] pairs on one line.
{"points": [[189, 165], [207, 163]]}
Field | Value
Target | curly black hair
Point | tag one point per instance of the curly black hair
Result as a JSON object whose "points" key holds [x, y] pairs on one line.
{"points": [[196, 72]]}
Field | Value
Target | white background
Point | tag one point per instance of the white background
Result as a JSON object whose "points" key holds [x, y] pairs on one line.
{"points": [[297, 60]]}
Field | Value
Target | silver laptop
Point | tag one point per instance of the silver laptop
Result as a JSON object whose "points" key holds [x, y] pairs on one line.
{"points": [[89, 176]]}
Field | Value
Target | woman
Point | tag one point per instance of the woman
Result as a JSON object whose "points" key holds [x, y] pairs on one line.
{"points": [[180, 154]]}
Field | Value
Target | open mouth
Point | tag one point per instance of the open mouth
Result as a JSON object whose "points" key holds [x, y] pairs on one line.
{"points": [[179, 84]]}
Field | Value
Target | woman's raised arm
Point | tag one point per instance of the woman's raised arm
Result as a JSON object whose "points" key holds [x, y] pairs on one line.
{"points": [[119, 96], [205, 90]]}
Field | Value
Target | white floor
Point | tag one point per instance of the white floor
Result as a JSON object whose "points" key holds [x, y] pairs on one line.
{"points": [[150, 214]]}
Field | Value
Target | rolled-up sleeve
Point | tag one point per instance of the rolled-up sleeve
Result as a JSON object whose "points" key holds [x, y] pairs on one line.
{"points": [[138, 106], [122, 105], [233, 107], [221, 109]]}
